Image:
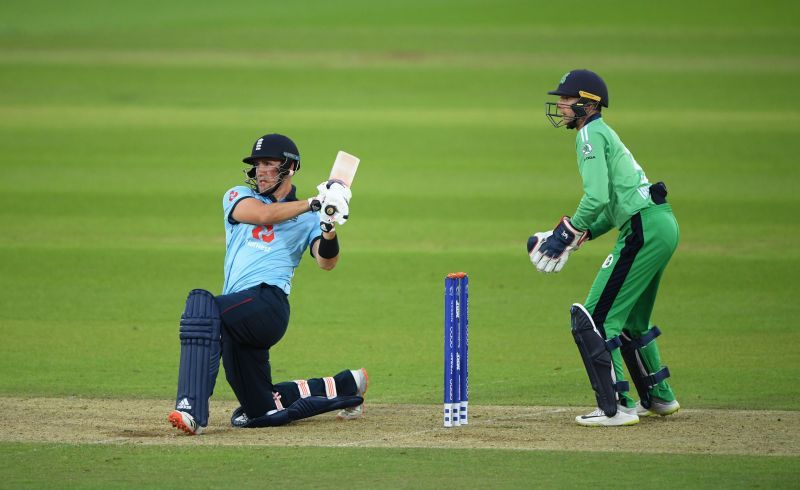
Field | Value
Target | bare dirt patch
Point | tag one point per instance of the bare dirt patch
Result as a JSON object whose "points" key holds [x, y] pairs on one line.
{"points": [[111, 421]]}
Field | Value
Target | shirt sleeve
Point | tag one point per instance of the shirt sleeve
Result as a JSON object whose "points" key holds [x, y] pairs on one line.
{"points": [[233, 197], [592, 165], [600, 226]]}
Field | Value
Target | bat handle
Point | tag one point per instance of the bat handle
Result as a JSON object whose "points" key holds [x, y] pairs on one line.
{"points": [[330, 209]]}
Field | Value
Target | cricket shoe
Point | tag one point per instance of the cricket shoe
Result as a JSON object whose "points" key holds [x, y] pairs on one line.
{"points": [[185, 422], [657, 407], [598, 418], [239, 418], [362, 382]]}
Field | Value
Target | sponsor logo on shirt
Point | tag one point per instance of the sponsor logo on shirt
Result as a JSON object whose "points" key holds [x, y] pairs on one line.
{"points": [[232, 195], [264, 233], [259, 246], [609, 261], [261, 235]]}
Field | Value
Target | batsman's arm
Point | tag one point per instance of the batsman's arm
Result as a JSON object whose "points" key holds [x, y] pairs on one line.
{"points": [[255, 212], [326, 250]]}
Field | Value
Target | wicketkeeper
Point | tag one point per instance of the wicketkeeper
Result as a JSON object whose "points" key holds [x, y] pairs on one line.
{"points": [[613, 325], [267, 230]]}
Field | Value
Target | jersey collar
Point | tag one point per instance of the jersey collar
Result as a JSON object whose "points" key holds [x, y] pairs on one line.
{"points": [[593, 117], [291, 196]]}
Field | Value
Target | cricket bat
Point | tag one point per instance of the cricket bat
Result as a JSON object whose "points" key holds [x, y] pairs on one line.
{"points": [[344, 170]]}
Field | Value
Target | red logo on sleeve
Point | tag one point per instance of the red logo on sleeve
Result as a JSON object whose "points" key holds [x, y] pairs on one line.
{"points": [[232, 195], [264, 233]]}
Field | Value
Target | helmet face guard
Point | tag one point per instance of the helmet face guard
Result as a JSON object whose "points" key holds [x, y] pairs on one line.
{"points": [[558, 119]]}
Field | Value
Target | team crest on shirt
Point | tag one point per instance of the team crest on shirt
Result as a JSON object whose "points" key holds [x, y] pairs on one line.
{"points": [[609, 261], [586, 149]]}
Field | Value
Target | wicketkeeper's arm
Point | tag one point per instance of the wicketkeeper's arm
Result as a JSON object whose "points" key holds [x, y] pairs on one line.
{"points": [[594, 173], [600, 226]]}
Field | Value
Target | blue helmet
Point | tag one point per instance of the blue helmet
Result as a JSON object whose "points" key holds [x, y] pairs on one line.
{"points": [[275, 146], [585, 84]]}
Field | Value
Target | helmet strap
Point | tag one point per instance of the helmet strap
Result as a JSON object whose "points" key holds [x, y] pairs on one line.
{"points": [[580, 109]]}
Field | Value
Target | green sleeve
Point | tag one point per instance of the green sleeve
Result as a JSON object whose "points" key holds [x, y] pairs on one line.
{"points": [[600, 226], [594, 172]]}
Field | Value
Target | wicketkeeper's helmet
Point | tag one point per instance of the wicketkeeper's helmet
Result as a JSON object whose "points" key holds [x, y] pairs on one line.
{"points": [[584, 84]]}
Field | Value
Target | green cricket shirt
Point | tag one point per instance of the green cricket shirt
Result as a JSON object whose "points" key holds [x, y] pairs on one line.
{"points": [[614, 185]]}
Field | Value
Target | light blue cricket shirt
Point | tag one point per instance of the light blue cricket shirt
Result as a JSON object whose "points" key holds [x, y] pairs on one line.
{"points": [[264, 253]]}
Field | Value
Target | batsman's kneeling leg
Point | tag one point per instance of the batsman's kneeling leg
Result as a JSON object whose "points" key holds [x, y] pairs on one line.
{"points": [[273, 418], [315, 405], [595, 351], [301, 409], [200, 353], [642, 378]]}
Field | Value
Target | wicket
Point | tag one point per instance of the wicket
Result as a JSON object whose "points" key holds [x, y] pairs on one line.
{"points": [[456, 349]]}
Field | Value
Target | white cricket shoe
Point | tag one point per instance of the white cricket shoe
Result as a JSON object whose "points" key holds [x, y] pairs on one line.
{"points": [[599, 419], [657, 407], [185, 422], [362, 382]]}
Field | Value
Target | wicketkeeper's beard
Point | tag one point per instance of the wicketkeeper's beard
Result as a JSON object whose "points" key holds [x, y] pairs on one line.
{"points": [[572, 122]]}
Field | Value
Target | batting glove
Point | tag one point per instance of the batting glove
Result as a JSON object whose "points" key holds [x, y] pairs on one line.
{"points": [[335, 202], [553, 252], [334, 186]]}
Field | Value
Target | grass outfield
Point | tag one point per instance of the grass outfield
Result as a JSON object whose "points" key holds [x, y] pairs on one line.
{"points": [[136, 466], [121, 128]]}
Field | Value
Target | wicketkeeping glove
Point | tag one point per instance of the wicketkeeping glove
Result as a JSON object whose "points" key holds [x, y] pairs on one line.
{"points": [[535, 241], [534, 245], [554, 251]]}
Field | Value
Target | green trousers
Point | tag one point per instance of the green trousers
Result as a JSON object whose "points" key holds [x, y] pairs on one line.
{"points": [[624, 291]]}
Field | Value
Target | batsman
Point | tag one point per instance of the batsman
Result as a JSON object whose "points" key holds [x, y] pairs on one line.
{"points": [[612, 326], [267, 231]]}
